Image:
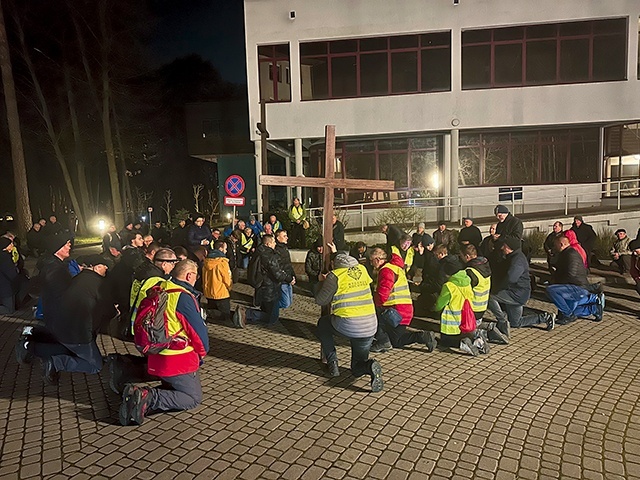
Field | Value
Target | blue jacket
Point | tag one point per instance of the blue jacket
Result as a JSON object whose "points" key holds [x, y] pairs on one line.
{"points": [[196, 234], [256, 227], [187, 308]]}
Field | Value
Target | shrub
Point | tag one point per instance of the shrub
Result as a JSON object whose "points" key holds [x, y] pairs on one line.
{"points": [[604, 242], [404, 217], [535, 242]]}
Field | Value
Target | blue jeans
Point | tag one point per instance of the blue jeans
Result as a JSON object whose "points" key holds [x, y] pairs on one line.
{"points": [[505, 308], [359, 346], [286, 297], [244, 261], [573, 301], [180, 392], [267, 315]]}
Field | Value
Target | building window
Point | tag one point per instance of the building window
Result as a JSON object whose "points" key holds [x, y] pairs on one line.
{"points": [[376, 66], [529, 157], [593, 51], [273, 60]]}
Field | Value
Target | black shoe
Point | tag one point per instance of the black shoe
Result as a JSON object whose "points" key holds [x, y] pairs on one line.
{"points": [[496, 336], [116, 374], [599, 312], [378, 347], [376, 376], [504, 328], [334, 371], [566, 320], [24, 350], [235, 318], [550, 320], [49, 373], [482, 342], [467, 346], [429, 339], [141, 401], [126, 405]]}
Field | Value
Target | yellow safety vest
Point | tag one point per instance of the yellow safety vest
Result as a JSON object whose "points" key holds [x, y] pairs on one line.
{"points": [[408, 260], [138, 292], [15, 255], [452, 313], [480, 292], [174, 326], [247, 243], [400, 294], [297, 212], [353, 297]]}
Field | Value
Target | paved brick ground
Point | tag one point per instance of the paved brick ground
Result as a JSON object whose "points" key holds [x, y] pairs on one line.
{"points": [[561, 404]]}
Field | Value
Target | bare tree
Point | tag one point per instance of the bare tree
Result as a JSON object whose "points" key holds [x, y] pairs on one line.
{"points": [[167, 204], [213, 202], [197, 191], [23, 209], [142, 200]]}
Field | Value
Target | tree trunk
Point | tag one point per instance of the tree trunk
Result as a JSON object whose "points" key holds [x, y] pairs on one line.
{"points": [[126, 186], [78, 152], [44, 112], [106, 120], [23, 209]]}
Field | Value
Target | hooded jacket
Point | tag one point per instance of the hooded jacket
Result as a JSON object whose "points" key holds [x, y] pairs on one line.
{"points": [[459, 279], [480, 264], [386, 280], [216, 276], [573, 241]]}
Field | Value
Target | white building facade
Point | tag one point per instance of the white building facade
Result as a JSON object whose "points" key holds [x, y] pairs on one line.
{"points": [[473, 102]]}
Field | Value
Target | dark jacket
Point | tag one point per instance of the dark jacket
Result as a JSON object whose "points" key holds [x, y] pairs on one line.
{"points": [[285, 258], [160, 235], [127, 235], [443, 238], [8, 275], [232, 253], [196, 234], [111, 240], [570, 268], [338, 236], [273, 273], [120, 276], [487, 246], [179, 236], [313, 265], [35, 241], [85, 306], [393, 236], [586, 237], [54, 279], [511, 227], [470, 234], [549, 243], [480, 264], [515, 281]]}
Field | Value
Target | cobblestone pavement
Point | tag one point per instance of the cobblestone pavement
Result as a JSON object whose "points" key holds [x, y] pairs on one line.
{"points": [[561, 404]]}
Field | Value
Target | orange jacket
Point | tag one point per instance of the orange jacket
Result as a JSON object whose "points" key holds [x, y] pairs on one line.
{"points": [[216, 276]]}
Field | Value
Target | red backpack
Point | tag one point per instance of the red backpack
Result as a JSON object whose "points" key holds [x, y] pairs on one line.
{"points": [[468, 323], [150, 328]]}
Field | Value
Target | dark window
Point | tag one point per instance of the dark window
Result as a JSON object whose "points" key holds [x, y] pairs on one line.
{"points": [[376, 66], [573, 52], [272, 61], [393, 166]]}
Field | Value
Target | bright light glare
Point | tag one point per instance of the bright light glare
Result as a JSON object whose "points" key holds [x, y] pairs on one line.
{"points": [[144, 218], [435, 181], [228, 216], [102, 225]]}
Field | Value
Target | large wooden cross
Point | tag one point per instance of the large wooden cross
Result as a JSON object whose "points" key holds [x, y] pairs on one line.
{"points": [[329, 183]]}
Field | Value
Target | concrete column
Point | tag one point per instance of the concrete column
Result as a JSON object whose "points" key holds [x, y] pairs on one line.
{"points": [[445, 177], [455, 165], [299, 170], [258, 157], [287, 172]]}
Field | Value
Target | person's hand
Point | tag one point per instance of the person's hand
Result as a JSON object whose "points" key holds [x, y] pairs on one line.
{"points": [[322, 276], [297, 221], [293, 282], [420, 248], [332, 247]]}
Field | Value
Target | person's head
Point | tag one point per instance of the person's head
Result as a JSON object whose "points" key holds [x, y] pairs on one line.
{"points": [[181, 252], [96, 263], [235, 236], [296, 202], [509, 244], [129, 225], [151, 249], [404, 242], [501, 212], [272, 219], [199, 221], [137, 226], [562, 243], [220, 245], [361, 247], [378, 257], [421, 227], [557, 227], [166, 260], [334, 219], [621, 233], [216, 233], [492, 228], [182, 223], [157, 224], [64, 251], [37, 226], [282, 236], [252, 220], [53, 219], [6, 244], [577, 220], [186, 271], [137, 241], [442, 226], [440, 251], [268, 240], [468, 222], [268, 229], [468, 252], [385, 228], [241, 225], [147, 240], [42, 222], [427, 242], [248, 232]]}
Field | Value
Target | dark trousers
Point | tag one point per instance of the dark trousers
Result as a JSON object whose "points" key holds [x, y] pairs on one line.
{"points": [[505, 308], [7, 305], [85, 358], [297, 239], [180, 392], [390, 330], [624, 263], [268, 314], [359, 346], [219, 309]]}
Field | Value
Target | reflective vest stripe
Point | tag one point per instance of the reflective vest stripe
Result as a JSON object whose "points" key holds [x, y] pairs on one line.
{"points": [[408, 259], [452, 314], [480, 291], [346, 295], [174, 326], [400, 293], [297, 212], [353, 297], [356, 303]]}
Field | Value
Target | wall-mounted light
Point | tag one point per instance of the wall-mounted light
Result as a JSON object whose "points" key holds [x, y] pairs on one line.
{"points": [[292, 15], [456, 2]]}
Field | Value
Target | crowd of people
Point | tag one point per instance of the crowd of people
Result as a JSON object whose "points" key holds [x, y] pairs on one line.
{"points": [[152, 292]]}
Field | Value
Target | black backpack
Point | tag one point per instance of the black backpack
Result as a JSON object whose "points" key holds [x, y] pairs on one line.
{"points": [[255, 276]]}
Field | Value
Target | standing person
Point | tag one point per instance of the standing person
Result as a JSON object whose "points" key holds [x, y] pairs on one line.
{"points": [[246, 246], [469, 234], [126, 233], [216, 282], [177, 367], [394, 308], [282, 250], [198, 234], [550, 245], [392, 233], [620, 252], [487, 246], [298, 216], [353, 315], [53, 227], [313, 265], [511, 291], [338, 234], [443, 236], [111, 242], [271, 275], [159, 233], [586, 236], [179, 234], [35, 240], [508, 226]]}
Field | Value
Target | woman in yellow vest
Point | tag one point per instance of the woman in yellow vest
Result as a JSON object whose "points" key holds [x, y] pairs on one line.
{"points": [[353, 315], [298, 217]]}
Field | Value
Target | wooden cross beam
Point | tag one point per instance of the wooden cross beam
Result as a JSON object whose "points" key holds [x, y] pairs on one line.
{"points": [[329, 183]]}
